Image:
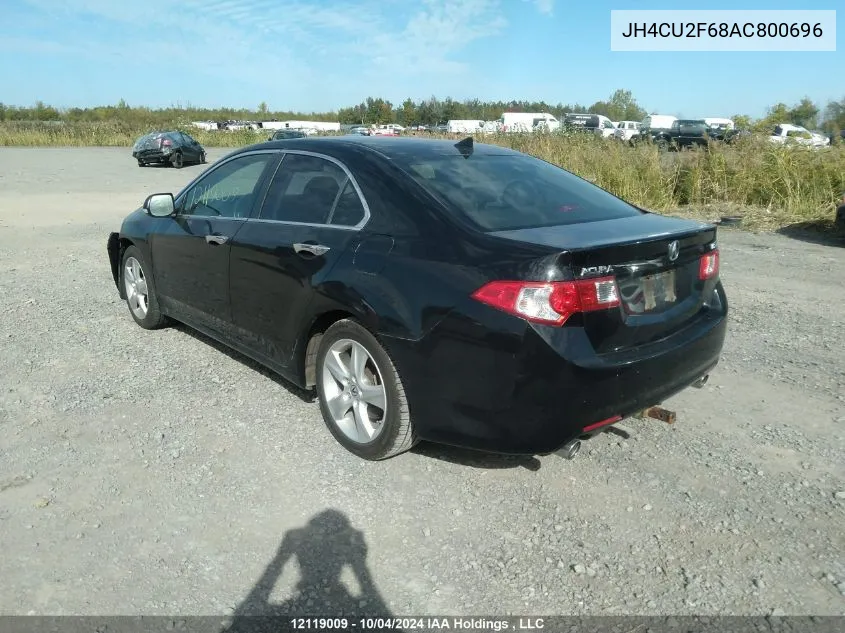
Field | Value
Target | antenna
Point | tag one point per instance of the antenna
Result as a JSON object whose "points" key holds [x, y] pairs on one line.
{"points": [[465, 147]]}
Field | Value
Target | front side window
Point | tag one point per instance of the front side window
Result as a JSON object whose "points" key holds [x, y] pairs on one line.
{"points": [[505, 192], [229, 191]]}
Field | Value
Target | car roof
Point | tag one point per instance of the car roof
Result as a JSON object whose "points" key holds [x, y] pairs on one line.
{"points": [[388, 147]]}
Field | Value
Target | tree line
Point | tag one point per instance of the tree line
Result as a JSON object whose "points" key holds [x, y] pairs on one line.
{"points": [[620, 106]]}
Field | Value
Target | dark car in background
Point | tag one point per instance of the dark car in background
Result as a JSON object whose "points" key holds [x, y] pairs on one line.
{"points": [[173, 148], [280, 135], [460, 293], [684, 133]]}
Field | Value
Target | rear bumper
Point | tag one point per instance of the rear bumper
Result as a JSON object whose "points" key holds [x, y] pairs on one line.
{"points": [[152, 156], [491, 391]]}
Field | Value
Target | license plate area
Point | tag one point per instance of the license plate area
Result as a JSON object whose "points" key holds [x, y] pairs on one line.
{"points": [[649, 293]]}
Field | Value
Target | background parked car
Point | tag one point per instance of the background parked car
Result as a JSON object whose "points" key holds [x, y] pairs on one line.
{"points": [[278, 135], [788, 134], [168, 148]]}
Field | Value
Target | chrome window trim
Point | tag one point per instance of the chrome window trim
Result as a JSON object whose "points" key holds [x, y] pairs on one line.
{"points": [[350, 178]]}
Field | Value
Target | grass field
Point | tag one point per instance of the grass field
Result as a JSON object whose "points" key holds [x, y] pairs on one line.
{"points": [[770, 186]]}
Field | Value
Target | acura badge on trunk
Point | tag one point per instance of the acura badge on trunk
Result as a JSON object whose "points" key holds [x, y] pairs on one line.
{"points": [[673, 250]]}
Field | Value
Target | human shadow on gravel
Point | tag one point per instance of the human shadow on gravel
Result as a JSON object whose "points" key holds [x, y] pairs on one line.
{"points": [[326, 545], [303, 394]]}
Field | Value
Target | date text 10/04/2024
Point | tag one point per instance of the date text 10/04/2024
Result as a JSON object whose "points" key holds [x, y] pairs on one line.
{"points": [[417, 623]]}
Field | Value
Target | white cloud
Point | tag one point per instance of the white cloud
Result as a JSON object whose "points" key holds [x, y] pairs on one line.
{"points": [[294, 46], [546, 7]]}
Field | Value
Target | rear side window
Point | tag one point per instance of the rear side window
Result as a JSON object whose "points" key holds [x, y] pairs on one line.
{"points": [[501, 193], [312, 190]]}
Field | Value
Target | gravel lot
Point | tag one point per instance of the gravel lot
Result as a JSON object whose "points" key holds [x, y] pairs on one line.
{"points": [[152, 473]]}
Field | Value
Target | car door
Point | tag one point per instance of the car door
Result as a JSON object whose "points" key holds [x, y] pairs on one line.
{"points": [[191, 148], [191, 258], [310, 216]]}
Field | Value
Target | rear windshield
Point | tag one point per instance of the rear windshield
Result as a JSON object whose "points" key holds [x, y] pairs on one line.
{"points": [[502, 193]]}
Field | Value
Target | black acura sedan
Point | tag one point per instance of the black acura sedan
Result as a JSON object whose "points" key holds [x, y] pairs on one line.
{"points": [[462, 293]]}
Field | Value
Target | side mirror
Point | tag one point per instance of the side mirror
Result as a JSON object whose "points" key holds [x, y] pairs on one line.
{"points": [[160, 205]]}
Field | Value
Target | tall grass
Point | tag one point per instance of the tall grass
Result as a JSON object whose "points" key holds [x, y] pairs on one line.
{"points": [[110, 134], [770, 185]]}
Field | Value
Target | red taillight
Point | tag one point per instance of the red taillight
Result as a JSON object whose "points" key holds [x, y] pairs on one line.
{"points": [[166, 142], [551, 303], [708, 265]]}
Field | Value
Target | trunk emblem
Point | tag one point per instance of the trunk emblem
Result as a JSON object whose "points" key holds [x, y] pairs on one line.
{"points": [[674, 249]]}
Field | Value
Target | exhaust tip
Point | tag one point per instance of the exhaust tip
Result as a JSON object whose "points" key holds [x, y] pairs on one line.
{"points": [[698, 384], [570, 449]]}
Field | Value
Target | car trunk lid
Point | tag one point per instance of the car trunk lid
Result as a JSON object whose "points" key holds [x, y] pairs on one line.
{"points": [[655, 261]]}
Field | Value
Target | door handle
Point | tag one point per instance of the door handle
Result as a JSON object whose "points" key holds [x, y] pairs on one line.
{"points": [[313, 249], [216, 239]]}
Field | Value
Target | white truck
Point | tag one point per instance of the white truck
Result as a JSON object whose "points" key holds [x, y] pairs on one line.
{"points": [[527, 122], [598, 124], [626, 130]]}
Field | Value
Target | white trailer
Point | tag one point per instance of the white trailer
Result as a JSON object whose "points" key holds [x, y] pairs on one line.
{"points": [[727, 124], [464, 126], [309, 127], [527, 121], [205, 125]]}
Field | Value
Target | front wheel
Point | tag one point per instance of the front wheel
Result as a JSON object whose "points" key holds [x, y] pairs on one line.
{"points": [[362, 399], [139, 289], [202, 158]]}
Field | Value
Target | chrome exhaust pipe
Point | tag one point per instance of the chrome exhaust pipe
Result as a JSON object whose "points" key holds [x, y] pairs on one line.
{"points": [[698, 384], [570, 449]]}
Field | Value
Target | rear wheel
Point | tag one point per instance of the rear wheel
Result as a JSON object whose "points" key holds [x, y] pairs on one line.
{"points": [[141, 163], [177, 161], [362, 399], [140, 290]]}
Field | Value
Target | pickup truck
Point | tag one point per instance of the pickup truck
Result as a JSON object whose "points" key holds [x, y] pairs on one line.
{"points": [[683, 133]]}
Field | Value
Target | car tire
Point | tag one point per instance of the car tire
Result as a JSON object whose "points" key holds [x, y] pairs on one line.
{"points": [[202, 158], [139, 289], [141, 163], [177, 160], [391, 426]]}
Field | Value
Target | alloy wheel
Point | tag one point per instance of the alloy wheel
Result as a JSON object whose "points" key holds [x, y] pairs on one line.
{"points": [[135, 283], [354, 391]]}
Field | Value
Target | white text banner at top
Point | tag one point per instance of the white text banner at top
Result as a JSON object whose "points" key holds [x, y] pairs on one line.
{"points": [[711, 30]]}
